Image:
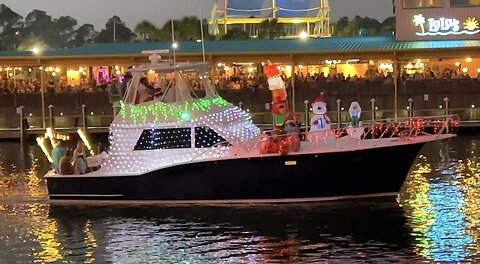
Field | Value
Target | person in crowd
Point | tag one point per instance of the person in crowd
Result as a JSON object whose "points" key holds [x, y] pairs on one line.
{"points": [[65, 166], [57, 153], [80, 159]]}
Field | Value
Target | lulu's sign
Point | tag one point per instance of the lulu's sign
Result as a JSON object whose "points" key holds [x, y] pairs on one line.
{"points": [[445, 26]]}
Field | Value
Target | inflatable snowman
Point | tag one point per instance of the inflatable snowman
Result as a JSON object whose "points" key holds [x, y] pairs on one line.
{"points": [[320, 121]]}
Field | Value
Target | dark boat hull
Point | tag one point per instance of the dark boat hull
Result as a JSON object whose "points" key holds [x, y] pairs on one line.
{"points": [[349, 173]]}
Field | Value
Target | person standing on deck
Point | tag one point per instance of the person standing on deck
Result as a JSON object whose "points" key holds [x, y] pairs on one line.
{"points": [[57, 153], [80, 159]]}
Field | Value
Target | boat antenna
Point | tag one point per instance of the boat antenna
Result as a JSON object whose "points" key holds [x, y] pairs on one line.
{"points": [[174, 45], [201, 30]]}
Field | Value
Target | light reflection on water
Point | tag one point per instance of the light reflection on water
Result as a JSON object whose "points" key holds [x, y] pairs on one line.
{"points": [[438, 220]]}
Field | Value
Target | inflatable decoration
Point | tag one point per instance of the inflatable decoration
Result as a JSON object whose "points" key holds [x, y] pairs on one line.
{"points": [[279, 94], [355, 112], [291, 129], [320, 121], [354, 130], [282, 141]]}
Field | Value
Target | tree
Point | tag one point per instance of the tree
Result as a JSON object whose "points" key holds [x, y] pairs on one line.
{"points": [[64, 30], [149, 32], [388, 25], [41, 25], [236, 34], [11, 25], [115, 31], [270, 29], [85, 34], [31, 41]]}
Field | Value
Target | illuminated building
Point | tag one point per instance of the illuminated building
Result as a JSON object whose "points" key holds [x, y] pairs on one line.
{"points": [[437, 19], [298, 19]]}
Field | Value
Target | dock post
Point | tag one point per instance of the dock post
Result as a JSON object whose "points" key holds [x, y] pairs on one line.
{"points": [[22, 128], [373, 110], [339, 117], [50, 115], [84, 118], [306, 115], [446, 99], [447, 119], [410, 110], [240, 105]]}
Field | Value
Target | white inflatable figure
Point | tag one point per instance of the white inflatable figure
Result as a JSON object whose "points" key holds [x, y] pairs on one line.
{"points": [[320, 128], [355, 110], [320, 121], [355, 130]]}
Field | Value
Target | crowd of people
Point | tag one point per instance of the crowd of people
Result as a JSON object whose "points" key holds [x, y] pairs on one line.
{"points": [[241, 81]]}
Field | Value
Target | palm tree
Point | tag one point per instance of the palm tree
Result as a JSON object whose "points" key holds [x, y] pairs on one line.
{"points": [[419, 20]]}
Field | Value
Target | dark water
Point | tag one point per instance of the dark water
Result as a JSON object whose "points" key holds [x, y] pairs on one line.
{"points": [[436, 219]]}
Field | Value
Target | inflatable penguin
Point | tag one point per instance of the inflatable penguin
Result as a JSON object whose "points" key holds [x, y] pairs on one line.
{"points": [[355, 112], [320, 121], [355, 130]]}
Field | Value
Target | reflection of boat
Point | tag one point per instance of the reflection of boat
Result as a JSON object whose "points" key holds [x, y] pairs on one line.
{"points": [[336, 230], [179, 147]]}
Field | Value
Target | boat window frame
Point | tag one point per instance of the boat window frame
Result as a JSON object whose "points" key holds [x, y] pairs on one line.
{"points": [[187, 136]]}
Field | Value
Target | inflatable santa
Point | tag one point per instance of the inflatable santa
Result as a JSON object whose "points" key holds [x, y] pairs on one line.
{"points": [[279, 94]]}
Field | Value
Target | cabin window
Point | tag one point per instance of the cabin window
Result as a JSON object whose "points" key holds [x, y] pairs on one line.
{"points": [[169, 138], [206, 137], [463, 3], [421, 3]]}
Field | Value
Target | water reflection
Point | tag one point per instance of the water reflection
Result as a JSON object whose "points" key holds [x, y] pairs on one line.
{"points": [[441, 202], [438, 220]]}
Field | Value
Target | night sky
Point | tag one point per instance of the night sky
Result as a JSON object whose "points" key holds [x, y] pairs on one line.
{"points": [[159, 11]]}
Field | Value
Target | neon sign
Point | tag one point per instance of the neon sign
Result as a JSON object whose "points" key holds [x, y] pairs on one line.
{"points": [[445, 26]]}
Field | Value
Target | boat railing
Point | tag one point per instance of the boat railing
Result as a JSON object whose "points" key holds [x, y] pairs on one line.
{"points": [[224, 144], [403, 128]]}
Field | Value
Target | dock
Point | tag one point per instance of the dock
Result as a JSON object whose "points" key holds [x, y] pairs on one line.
{"points": [[468, 127]]}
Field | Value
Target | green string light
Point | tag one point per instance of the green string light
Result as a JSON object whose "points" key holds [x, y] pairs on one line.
{"points": [[181, 112]]}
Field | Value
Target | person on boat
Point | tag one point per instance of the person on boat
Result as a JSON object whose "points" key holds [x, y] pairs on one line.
{"points": [[122, 87], [80, 159], [65, 165], [145, 91], [57, 153]]}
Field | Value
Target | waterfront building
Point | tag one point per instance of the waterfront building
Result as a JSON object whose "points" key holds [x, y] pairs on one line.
{"points": [[418, 62]]}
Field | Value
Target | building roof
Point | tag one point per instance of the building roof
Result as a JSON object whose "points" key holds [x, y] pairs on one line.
{"points": [[280, 46]]}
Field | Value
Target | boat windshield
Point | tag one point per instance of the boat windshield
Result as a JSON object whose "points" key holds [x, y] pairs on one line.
{"points": [[168, 83]]}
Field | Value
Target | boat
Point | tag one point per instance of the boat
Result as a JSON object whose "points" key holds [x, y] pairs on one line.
{"points": [[182, 147]]}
